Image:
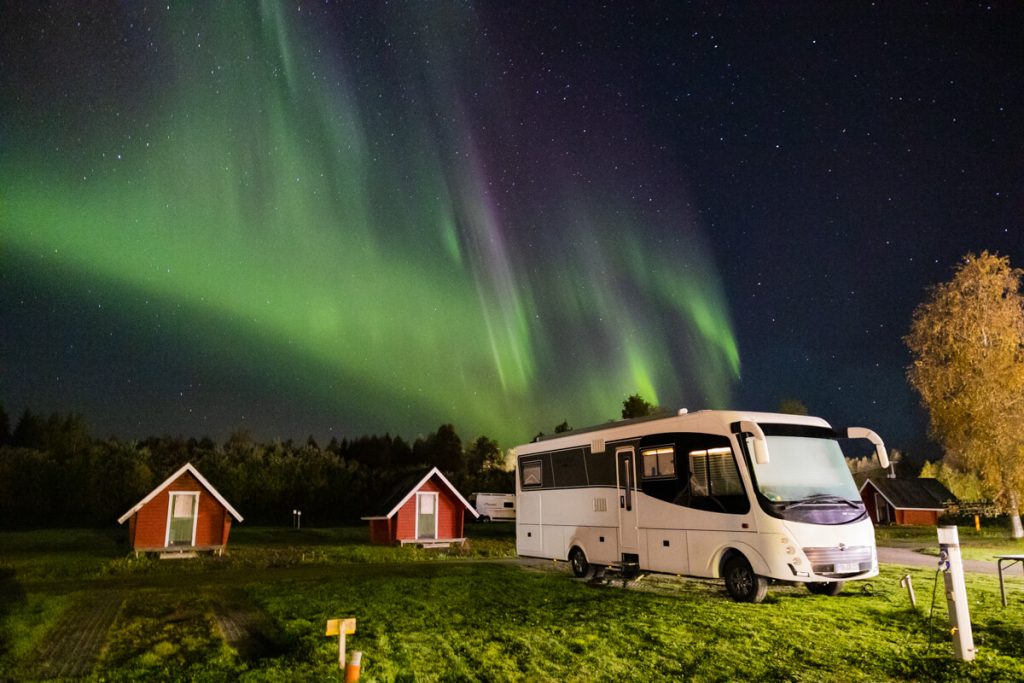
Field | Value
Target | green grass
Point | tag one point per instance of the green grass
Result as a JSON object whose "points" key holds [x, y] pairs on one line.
{"points": [[465, 617]]}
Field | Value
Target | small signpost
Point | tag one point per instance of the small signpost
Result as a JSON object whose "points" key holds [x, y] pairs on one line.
{"points": [[341, 628]]}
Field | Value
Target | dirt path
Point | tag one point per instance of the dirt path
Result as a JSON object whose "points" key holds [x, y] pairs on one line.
{"points": [[72, 646], [249, 630], [912, 558]]}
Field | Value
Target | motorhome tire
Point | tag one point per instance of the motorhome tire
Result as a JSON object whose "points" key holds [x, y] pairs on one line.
{"points": [[742, 583], [825, 587], [578, 562]]}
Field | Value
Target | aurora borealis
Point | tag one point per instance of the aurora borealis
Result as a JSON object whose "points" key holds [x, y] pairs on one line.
{"points": [[368, 217], [330, 223]]}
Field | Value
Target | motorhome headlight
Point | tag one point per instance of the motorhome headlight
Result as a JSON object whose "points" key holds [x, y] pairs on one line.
{"points": [[797, 562], [785, 540], [790, 550]]}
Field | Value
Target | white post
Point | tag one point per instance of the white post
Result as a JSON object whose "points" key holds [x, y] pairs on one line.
{"points": [[956, 593], [341, 649], [908, 583]]}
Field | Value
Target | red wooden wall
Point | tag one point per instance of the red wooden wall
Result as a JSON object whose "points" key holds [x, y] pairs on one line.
{"points": [[920, 517], [148, 526], [897, 516], [382, 531]]}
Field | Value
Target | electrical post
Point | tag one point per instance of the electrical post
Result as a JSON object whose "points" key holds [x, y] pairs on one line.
{"points": [[952, 568]]}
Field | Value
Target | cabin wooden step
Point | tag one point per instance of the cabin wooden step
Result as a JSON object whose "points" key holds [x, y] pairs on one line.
{"points": [[178, 555]]}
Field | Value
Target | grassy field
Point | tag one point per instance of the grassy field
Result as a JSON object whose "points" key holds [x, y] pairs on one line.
{"points": [[72, 604]]}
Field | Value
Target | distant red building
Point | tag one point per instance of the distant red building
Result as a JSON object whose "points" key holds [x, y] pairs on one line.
{"points": [[184, 514], [424, 508], [905, 501]]}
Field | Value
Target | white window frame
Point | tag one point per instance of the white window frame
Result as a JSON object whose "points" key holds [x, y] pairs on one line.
{"points": [[420, 494], [170, 513]]}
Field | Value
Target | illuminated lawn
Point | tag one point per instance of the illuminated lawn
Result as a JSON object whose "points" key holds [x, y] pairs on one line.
{"points": [[464, 618]]}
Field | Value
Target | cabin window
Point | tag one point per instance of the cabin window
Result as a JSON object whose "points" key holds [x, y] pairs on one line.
{"points": [[659, 462], [533, 473]]}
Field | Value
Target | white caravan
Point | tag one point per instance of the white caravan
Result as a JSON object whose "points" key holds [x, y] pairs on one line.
{"points": [[746, 497], [495, 506]]}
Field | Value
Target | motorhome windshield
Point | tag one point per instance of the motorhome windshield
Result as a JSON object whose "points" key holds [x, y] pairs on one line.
{"points": [[806, 479]]}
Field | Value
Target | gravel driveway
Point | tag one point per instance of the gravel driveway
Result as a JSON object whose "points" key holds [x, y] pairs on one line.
{"points": [[912, 558]]}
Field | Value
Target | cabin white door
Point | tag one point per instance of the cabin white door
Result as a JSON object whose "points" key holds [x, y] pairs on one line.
{"points": [[181, 519], [625, 476], [426, 515]]}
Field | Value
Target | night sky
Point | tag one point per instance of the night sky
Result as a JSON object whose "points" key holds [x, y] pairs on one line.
{"points": [[294, 218]]}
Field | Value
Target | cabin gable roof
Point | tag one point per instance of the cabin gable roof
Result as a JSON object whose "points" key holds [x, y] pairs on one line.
{"points": [[187, 467], [410, 484], [911, 494]]}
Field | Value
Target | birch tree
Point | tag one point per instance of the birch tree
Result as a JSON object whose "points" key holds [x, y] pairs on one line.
{"points": [[967, 345]]}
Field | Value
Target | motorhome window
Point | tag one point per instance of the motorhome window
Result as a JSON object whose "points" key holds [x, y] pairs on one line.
{"points": [[509, 505], [699, 473], [569, 469], [601, 468], [713, 473], [532, 473], [659, 462]]}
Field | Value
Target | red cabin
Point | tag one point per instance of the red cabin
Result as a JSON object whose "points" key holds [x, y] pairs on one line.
{"points": [[182, 515], [905, 501], [423, 508]]}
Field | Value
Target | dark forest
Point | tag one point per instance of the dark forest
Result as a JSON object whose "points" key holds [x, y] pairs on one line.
{"points": [[53, 473]]}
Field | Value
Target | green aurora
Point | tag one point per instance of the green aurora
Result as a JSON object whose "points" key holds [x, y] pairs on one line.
{"points": [[341, 231]]}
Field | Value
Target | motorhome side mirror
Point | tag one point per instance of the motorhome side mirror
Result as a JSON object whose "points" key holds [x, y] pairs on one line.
{"points": [[760, 451], [760, 443], [876, 441]]}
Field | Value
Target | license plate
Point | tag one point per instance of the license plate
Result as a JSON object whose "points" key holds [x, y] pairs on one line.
{"points": [[847, 568]]}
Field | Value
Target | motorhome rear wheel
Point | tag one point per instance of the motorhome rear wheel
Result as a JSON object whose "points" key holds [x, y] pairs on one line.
{"points": [[578, 561]]}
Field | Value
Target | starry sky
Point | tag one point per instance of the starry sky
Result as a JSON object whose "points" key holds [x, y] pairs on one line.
{"points": [[349, 218]]}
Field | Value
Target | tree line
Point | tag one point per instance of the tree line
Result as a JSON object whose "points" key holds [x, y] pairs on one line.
{"points": [[54, 473]]}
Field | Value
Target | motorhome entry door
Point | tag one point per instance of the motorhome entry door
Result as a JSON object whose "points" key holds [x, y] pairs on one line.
{"points": [[625, 474]]}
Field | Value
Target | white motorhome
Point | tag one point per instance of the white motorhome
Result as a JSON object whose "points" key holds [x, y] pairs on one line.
{"points": [[495, 506], [746, 497]]}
